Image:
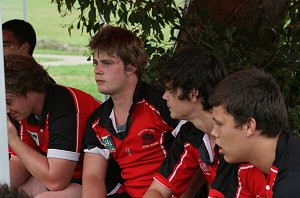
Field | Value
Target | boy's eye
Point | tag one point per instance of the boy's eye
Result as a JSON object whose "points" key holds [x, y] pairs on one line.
{"points": [[107, 62], [219, 124], [8, 102]]}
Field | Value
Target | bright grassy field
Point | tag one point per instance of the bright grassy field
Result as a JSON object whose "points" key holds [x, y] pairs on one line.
{"points": [[45, 19]]}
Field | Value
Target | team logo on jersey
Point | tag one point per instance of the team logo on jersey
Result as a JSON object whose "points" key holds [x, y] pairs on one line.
{"points": [[34, 136], [204, 167], [128, 151], [147, 138], [108, 143]]}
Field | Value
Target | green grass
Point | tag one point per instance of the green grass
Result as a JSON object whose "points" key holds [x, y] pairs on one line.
{"points": [[80, 77], [46, 20]]}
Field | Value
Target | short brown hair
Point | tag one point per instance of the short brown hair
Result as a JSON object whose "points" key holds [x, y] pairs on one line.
{"points": [[123, 43], [24, 74], [253, 93]]}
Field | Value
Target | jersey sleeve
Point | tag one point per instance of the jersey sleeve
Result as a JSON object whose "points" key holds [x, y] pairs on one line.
{"points": [[65, 137], [178, 168], [92, 144]]}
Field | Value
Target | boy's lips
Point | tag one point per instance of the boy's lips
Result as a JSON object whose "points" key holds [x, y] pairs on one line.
{"points": [[100, 81], [221, 151]]}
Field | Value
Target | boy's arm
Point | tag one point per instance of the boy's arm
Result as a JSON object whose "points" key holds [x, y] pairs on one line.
{"points": [[157, 190], [18, 173], [195, 185], [55, 173], [94, 173]]}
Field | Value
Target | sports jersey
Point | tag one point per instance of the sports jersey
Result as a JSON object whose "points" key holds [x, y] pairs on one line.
{"points": [[190, 150], [282, 180], [140, 149], [60, 131], [241, 180], [284, 176]]}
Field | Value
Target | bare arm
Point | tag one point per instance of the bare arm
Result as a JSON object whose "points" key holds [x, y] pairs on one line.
{"points": [[94, 173], [158, 191], [195, 185], [18, 173], [53, 172]]}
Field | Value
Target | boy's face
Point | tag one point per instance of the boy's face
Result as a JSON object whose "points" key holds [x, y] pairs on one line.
{"points": [[18, 107], [10, 43], [179, 109], [231, 139], [110, 75]]}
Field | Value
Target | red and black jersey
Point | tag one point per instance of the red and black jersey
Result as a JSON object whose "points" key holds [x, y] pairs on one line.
{"points": [[282, 180], [60, 132], [284, 176], [240, 180], [190, 150], [140, 149]]}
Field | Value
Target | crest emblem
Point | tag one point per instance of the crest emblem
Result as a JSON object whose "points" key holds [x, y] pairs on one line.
{"points": [[108, 143], [34, 136]]}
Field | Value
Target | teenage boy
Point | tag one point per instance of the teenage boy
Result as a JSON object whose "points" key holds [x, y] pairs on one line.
{"points": [[47, 141], [251, 125], [133, 126], [189, 77], [18, 36]]}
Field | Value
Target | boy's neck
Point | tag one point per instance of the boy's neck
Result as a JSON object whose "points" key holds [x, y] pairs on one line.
{"points": [[264, 153]]}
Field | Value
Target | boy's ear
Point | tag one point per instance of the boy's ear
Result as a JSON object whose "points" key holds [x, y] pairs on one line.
{"points": [[250, 126], [25, 47], [194, 95], [130, 69]]}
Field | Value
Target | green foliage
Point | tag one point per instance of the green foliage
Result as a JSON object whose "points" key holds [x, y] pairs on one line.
{"points": [[273, 48], [147, 19]]}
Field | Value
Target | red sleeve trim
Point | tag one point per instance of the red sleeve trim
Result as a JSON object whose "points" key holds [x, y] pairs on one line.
{"points": [[166, 184]]}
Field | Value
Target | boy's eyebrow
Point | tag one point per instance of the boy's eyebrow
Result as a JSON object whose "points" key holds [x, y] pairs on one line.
{"points": [[216, 120]]}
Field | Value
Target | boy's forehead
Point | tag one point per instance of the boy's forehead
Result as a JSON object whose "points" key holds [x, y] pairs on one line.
{"points": [[217, 111], [103, 54], [9, 36], [10, 95], [221, 113]]}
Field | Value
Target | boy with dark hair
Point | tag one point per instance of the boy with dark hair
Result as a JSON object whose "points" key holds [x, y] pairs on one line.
{"points": [[133, 126], [47, 146], [251, 125], [189, 77], [18, 36]]}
